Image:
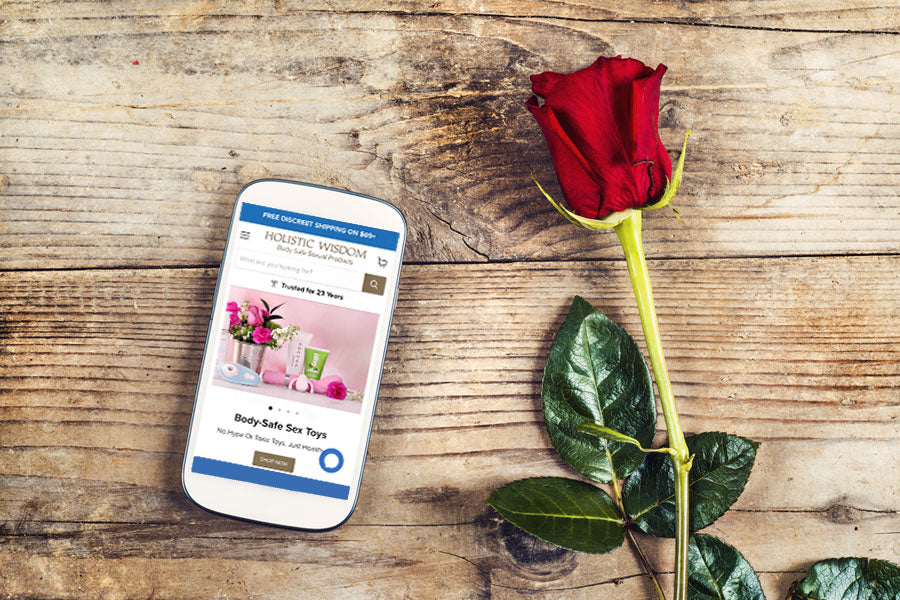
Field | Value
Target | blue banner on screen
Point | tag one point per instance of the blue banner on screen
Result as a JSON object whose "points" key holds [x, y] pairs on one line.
{"points": [[284, 481], [336, 230]]}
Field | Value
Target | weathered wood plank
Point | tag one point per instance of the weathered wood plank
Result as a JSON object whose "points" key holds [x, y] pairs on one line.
{"points": [[47, 480], [104, 162], [791, 348], [435, 562], [397, 534], [169, 534], [798, 353], [853, 15]]}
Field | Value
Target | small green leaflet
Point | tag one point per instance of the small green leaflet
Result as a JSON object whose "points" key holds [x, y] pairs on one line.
{"points": [[721, 467], [612, 435], [595, 372], [569, 513], [716, 571], [849, 579]]}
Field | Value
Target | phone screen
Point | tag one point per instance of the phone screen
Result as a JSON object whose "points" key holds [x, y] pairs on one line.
{"points": [[295, 352]]}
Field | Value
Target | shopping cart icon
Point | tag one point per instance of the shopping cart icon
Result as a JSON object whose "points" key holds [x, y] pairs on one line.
{"points": [[382, 262]]}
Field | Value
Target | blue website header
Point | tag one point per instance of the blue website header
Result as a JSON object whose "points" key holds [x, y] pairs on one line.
{"points": [[336, 230]]}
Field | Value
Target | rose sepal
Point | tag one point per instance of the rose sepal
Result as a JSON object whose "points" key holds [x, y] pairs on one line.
{"points": [[672, 184], [607, 222], [614, 218]]}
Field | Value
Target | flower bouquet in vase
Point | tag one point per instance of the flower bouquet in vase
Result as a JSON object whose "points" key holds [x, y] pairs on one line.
{"points": [[252, 329]]}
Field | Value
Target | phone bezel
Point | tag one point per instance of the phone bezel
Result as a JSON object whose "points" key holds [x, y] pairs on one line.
{"points": [[273, 506]]}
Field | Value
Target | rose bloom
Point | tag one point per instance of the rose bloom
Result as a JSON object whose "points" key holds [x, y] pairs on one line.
{"points": [[232, 307], [261, 335], [601, 126], [233, 320], [336, 390], [254, 316]]}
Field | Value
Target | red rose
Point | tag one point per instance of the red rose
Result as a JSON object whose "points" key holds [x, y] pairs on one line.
{"points": [[601, 125]]}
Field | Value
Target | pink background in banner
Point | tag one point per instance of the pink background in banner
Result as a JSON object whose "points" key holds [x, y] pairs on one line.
{"points": [[347, 334]]}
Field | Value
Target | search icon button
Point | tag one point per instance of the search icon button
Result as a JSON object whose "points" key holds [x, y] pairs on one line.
{"points": [[374, 284]]}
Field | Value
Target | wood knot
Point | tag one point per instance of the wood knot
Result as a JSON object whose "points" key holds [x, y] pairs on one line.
{"points": [[526, 549], [522, 554], [842, 513], [672, 116]]}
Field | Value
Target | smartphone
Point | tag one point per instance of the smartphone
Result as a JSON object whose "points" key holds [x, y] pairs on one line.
{"points": [[294, 355]]}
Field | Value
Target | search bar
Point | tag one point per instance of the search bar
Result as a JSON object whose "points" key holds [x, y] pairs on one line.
{"points": [[322, 274]]}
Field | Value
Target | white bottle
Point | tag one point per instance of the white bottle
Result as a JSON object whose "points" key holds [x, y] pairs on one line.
{"points": [[297, 353]]}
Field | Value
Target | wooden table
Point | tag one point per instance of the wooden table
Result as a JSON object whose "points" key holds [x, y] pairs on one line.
{"points": [[129, 126]]}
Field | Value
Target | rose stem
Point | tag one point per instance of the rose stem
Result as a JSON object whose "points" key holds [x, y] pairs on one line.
{"points": [[646, 564], [634, 544], [629, 232]]}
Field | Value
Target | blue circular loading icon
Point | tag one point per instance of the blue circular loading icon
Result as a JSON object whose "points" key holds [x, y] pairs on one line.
{"points": [[325, 454]]}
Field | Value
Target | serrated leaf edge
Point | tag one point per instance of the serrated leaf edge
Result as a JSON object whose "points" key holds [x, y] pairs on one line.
{"points": [[667, 498], [866, 568], [541, 537], [586, 309], [559, 516], [712, 578]]}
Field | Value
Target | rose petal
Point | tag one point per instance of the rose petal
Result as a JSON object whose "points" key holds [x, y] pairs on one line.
{"points": [[593, 107], [582, 190], [650, 161], [542, 82], [600, 124]]}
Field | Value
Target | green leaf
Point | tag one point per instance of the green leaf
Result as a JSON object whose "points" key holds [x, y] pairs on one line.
{"points": [[849, 579], [569, 513], [605, 433], [595, 372], [721, 467], [612, 435], [716, 571]]}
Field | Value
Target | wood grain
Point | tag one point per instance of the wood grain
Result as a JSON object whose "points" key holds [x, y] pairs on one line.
{"points": [[798, 353], [849, 16], [127, 128], [109, 163]]}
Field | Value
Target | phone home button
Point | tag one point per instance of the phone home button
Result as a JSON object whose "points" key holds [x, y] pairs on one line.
{"points": [[273, 461]]}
